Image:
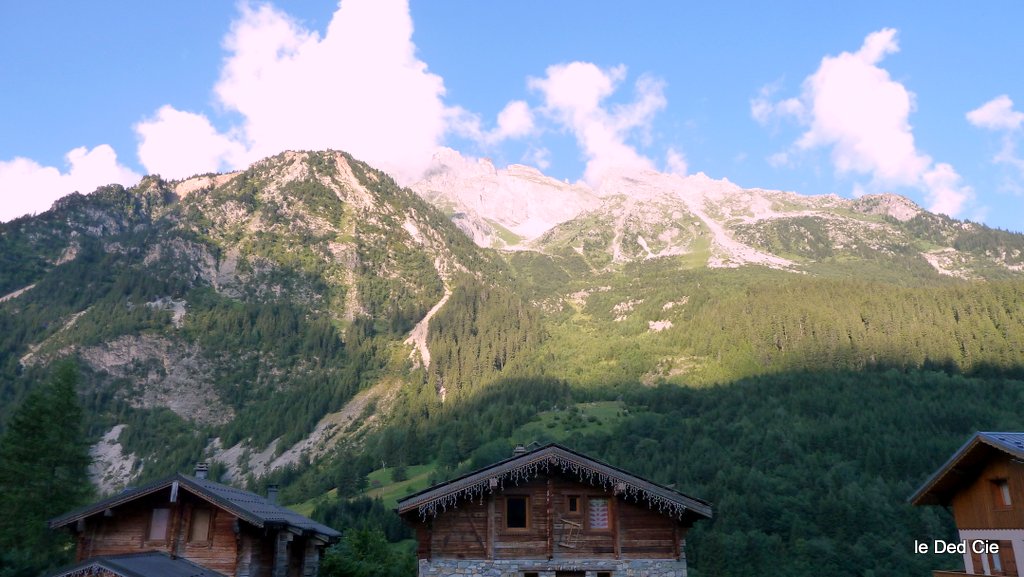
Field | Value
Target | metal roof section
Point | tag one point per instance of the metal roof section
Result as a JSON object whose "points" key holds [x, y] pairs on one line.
{"points": [[150, 564], [939, 488], [548, 459], [250, 507]]}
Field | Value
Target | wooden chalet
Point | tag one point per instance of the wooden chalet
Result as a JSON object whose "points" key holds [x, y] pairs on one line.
{"points": [[551, 512], [191, 526], [983, 484]]}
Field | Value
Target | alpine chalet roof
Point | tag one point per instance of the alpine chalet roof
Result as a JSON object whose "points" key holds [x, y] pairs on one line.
{"points": [[960, 468], [552, 458], [250, 507], [150, 564]]}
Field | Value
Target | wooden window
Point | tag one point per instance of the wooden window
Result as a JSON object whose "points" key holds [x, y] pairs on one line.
{"points": [[199, 530], [604, 574], [517, 512], [598, 514], [1001, 492], [996, 563], [531, 574], [574, 504], [158, 524]]}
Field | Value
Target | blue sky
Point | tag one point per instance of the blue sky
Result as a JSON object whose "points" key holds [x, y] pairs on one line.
{"points": [[803, 96]]}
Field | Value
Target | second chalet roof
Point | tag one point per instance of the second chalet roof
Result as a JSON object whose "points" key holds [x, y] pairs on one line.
{"points": [[149, 564], [250, 507], [552, 457], [978, 450]]}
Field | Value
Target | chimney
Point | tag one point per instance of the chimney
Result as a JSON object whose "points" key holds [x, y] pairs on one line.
{"points": [[272, 494], [519, 450], [201, 469]]}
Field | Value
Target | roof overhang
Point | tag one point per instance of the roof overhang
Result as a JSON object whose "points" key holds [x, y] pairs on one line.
{"points": [[552, 458], [962, 467], [214, 496]]}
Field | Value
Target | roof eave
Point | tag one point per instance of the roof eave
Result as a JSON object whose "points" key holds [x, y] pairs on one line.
{"points": [[927, 494], [417, 500]]}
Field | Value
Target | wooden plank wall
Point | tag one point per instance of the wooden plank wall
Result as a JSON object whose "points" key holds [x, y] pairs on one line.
{"points": [[976, 507], [460, 533], [220, 553], [127, 529], [477, 529]]}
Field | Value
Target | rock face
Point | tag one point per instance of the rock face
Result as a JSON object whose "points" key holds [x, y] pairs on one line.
{"points": [[111, 468], [208, 307], [633, 215], [162, 373], [263, 307], [501, 208]]}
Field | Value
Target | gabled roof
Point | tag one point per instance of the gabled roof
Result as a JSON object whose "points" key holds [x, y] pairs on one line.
{"points": [[249, 507], [548, 459], [150, 564], [963, 465]]}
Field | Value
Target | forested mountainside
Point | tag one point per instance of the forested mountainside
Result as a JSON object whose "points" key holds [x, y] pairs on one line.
{"points": [[802, 363]]}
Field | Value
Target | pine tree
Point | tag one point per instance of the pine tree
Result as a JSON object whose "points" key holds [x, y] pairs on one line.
{"points": [[44, 464]]}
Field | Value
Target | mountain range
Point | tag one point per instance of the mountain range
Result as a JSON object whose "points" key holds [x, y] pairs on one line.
{"points": [[307, 312]]}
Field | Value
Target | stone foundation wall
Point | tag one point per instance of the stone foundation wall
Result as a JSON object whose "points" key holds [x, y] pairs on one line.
{"points": [[516, 567]]}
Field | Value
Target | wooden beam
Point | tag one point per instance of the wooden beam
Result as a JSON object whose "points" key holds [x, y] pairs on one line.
{"points": [[613, 504], [675, 540], [491, 530], [549, 520]]}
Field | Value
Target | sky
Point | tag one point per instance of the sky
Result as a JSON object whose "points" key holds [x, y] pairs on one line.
{"points": [[921, 100]]}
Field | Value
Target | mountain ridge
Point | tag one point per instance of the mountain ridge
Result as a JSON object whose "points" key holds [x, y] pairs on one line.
{"points": [[291, 306], [652, 214]]}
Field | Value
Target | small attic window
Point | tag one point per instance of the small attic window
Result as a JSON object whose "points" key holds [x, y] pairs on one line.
{"points": [[158, 524], [1001, 491], [199, 531], [517, 512], [598, 514]]}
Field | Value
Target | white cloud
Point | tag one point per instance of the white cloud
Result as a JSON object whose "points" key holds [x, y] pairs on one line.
{"points": [[538, 156], [852, 106], [764, 110], [514, 121], [177, 144], [675, 162], [998, 115], [945, 191], [573, 96], [27, 187], [358, 88]]}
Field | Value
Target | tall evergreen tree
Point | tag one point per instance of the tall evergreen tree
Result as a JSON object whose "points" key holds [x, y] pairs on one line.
{"points": [[44, 464]]}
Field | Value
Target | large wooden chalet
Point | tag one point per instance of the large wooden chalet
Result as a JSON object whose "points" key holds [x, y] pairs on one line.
{"points": [[983, 483], [191, 526], [551, 512]]}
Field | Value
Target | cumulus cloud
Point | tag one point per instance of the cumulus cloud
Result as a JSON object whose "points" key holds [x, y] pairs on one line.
{"points": [[764, 110], [945, 191], [574, 96], [675, 162], [998, 115], [852, 107], [27, 187], [177, 144], [514, 121], [358, 87], [538, 156]]}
